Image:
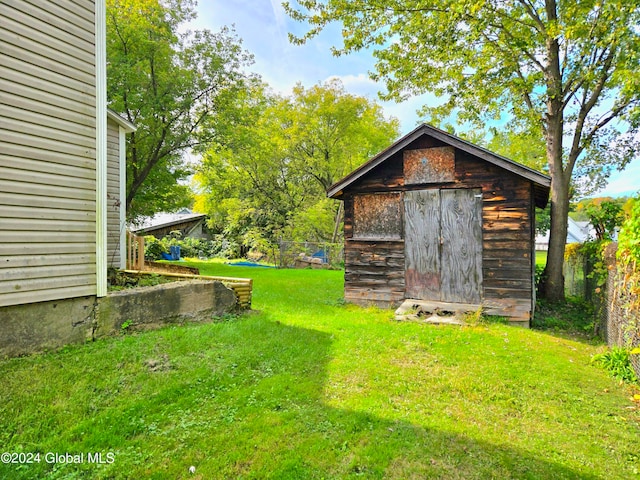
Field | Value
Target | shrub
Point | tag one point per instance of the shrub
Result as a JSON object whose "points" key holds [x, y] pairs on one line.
{"points": [[153, 248], [191, 247], [617, 362]]}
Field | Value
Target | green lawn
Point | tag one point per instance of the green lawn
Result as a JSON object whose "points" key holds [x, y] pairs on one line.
{"points": [[306, 387]]}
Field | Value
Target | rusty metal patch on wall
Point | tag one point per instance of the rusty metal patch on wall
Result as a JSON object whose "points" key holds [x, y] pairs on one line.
{"points": [[429, 165], [377, 216]]}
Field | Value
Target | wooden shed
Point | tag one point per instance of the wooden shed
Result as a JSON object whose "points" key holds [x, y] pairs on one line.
{"points": [[435, 218]]}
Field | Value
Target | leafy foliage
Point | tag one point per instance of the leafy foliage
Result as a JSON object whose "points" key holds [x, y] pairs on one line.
{"points": [[190, 247], [268, 177], [168, 84], [629, 238], [605, 217]]}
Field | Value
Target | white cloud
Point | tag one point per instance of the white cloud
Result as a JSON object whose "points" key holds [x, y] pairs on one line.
{"points": [[625, 183]]}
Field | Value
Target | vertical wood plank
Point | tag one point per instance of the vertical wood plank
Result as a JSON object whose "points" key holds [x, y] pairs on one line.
{"points": [[461, 225], [422, 244]]}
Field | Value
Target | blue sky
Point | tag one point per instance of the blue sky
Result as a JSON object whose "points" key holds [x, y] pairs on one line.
{"points": [[263, 27]]}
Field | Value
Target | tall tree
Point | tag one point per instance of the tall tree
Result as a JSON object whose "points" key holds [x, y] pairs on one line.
{"points": [[566, 68], [168, 83], [280, 154]]}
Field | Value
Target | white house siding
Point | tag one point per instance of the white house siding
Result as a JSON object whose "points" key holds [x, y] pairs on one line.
{"points": [[47, 150], [113, 195]]}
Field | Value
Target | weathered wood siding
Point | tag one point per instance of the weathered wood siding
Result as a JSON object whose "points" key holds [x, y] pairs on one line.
{"points": [[507, 234], [114, 203], [47, 160], [374, 272]]}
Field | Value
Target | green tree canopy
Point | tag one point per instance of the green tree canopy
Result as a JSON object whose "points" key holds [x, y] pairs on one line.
{"points": [[168, 83], [563, 68], [279, 154]]}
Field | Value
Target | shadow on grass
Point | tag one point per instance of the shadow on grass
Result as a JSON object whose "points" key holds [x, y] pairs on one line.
{"points": [[246, 399]]}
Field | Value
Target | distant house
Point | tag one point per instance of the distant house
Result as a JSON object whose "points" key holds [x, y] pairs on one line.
{"points": [[577, 232], [437, 219], [162, 224], [61, 168]]}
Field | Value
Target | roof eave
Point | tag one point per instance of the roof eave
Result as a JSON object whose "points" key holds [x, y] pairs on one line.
{"points": [[126, 125], [336, 190]]}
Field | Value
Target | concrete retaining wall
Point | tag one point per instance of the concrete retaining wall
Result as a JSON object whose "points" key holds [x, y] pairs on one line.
{"points": [[143, 308], [50, 325]]}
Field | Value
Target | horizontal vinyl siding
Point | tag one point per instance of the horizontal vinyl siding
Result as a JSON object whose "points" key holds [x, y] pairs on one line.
{"points": [[47, 160], [113, 194]]}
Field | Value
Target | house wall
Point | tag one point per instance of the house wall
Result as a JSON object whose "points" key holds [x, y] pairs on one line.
{"points": [[114, 204], [48, 154], [374, 270]]}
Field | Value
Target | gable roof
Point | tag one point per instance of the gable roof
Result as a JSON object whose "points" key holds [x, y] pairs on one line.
{"points": [[577, 232], [164, 220], [542, 183], [121, 121]]}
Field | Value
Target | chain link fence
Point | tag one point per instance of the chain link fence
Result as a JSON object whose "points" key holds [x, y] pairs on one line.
{"points": [[621, 312], [578, 278]]}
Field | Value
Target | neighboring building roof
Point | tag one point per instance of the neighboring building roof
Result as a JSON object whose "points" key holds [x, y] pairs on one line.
{"points": [[124, 123], [577, 232], [164, 220], [542, 183]]}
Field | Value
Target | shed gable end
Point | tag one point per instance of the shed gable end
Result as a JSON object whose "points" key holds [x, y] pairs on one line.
{"points": [[429, 165]]}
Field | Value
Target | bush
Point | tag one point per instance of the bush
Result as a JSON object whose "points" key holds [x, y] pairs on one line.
{"points": [[617, 362], [153, 248], [191, 247]]}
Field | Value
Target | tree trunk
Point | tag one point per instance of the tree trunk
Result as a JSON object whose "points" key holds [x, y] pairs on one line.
{"points": [[553, 274]]}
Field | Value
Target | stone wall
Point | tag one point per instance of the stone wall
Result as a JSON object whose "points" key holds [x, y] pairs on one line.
{"points": [[37, 327]]}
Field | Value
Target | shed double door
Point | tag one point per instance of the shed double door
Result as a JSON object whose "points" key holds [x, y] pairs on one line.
{"points": [[443, 245]]}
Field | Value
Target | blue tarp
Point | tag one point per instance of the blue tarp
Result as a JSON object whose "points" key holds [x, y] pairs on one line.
{"points": [[174, 253], [322, 255], [249, 264]]}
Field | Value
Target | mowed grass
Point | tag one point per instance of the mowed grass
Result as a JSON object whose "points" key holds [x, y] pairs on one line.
{"points": [[307, 387]]}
